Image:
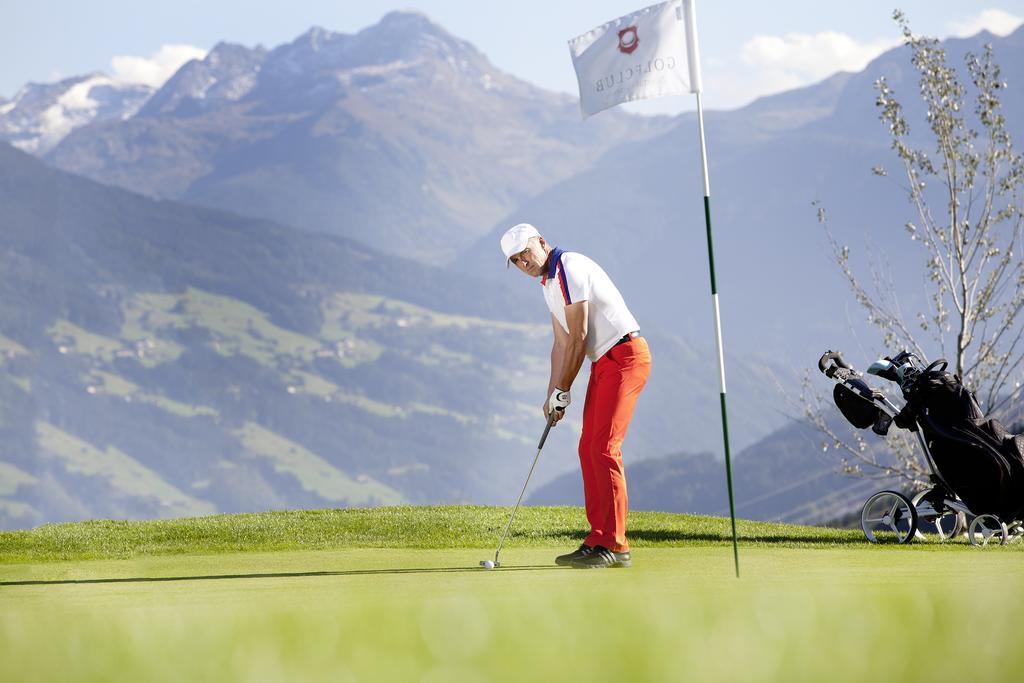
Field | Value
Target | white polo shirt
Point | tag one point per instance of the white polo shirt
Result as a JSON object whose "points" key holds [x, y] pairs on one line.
{"points": [[572, 278]]}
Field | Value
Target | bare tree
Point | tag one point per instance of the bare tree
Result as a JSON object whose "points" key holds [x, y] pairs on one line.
{"points": [[967, 198]]}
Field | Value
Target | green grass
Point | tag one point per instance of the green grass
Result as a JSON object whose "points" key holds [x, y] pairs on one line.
{"points": [[107, 383], [10, 348], [73, 339], [235, 328], [396, 594], [103, 382], [123, 473], [313, 472], [370, 310], [10, 479], [408, 527], [175, 407]]}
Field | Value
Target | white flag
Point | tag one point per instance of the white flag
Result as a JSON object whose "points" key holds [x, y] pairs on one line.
{"points": [[650, 53]]}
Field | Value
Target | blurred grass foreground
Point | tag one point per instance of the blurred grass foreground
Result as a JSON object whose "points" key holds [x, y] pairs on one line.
{"points": [[396, 594]]}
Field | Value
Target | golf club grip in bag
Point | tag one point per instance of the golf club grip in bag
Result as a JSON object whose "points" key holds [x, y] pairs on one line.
{"points": [[837, 356]]}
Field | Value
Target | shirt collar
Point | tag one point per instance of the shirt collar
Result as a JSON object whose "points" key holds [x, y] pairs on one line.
{"points": [[553, 258]]}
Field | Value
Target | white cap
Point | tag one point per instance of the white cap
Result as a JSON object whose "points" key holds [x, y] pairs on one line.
{"points": [[514, 240]]}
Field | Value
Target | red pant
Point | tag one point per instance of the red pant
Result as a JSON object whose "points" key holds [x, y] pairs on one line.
{"points": [[616, 380]]}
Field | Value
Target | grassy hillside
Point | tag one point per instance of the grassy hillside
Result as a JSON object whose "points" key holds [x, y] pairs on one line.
{"points": [[158, 360], [194, 402], [232, 365], [396, 527]]}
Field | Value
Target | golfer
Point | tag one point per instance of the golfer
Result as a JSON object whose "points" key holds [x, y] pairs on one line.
{"points": [[589, 318]]}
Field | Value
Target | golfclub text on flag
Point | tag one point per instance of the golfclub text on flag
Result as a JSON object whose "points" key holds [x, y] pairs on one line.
{"points": [[650, 53]]}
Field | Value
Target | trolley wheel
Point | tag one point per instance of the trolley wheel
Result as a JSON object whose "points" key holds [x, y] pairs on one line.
{"points": [[947, 526], [888, 516], [987, 529]]}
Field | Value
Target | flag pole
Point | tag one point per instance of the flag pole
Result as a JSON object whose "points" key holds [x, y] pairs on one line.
{"points": [[718, 330], [596, 56]]}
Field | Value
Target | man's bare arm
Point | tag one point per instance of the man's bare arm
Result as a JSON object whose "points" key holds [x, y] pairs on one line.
{"points": [[576, 316], [558, 344]]}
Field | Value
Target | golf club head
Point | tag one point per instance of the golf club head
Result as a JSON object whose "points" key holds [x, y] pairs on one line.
{"points": [[487, 564], [882, 367]]}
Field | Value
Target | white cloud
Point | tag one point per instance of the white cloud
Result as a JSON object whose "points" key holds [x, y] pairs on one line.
{"points": [[769, 64], [157, 68], [993, 20], [802, 58]]}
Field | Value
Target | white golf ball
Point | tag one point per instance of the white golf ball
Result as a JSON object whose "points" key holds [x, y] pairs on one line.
{"points": [[488, 564]]}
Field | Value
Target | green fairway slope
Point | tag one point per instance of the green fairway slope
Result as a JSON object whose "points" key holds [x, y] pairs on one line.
{"points": [[383, 527], [396, 527], [396, 594]]}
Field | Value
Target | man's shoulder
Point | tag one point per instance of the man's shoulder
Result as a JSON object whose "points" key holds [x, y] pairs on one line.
{"points": [[578, 265], [574, 258]]}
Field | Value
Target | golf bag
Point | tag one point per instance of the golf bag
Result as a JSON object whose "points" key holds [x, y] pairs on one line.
{"points": [[979, 460], [975, 458]]}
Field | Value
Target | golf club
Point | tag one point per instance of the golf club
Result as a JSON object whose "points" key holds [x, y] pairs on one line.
{"points": [[487, 564]]}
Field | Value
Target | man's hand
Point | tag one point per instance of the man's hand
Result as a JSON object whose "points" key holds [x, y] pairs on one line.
{"points": [[557, 402]]}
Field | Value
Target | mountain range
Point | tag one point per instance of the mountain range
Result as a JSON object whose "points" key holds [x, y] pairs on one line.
{"points": [[405, 138], [42, 114], [162, 359], [401, 136], [278, 283], [782, 297]]}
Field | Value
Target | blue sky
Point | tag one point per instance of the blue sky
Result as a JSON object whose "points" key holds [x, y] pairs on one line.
{"points": [[748, 48]]}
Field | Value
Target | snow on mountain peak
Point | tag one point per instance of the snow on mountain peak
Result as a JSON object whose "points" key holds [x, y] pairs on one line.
{"points": [[399, 38], [227, 73], [41, 115], [402, 45]]}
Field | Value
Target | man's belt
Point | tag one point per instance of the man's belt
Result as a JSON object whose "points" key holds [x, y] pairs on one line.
{"points": [[627, 337]]}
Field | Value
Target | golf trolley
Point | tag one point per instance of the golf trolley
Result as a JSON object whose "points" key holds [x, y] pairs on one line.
{"points": [[977, 468]]}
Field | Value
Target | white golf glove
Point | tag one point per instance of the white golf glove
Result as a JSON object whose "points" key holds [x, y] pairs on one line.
{"points": [[559, 400]]}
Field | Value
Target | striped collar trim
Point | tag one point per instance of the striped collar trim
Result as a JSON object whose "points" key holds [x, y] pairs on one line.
{"points": [[553, 260]]}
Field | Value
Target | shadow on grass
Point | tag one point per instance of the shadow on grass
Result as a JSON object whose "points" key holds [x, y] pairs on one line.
{"points": [[664, 535], [279, 575], [683, 537]]}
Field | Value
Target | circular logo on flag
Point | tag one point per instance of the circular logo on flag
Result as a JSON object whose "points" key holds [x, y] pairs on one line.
{"points": [[628, 40]]}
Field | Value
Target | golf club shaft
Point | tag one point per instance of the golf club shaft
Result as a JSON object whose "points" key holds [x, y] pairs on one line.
{"points": [[540, 446]]}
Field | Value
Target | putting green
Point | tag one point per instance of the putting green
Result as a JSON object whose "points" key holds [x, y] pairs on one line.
{"points": [[836, 613]]}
